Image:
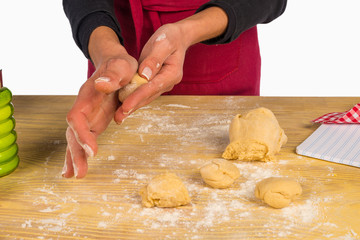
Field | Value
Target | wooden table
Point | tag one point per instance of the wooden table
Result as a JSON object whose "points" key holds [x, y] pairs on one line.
{"points": [[176, 134]]}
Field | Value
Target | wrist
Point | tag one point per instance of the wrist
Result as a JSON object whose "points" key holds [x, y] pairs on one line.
{"points": [[207, 24], [103, 45]]}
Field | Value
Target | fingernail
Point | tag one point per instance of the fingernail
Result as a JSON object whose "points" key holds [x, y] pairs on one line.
{"points": [[147, 73], [120, 122], [64, 170], [88, 150], [75, 169], [127, 113], [102, 79]]}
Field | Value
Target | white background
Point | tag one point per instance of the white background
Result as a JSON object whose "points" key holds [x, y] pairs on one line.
{"points": [[313, 49]]}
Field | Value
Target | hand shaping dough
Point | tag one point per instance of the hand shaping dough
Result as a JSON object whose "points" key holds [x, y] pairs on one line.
{"points": [[219, 173], [277, 192], [256, 135], [165, 190], [135, 82]]}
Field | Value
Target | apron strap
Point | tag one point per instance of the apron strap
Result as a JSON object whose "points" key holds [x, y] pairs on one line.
{"points": [[155, 19], [138, 18]]}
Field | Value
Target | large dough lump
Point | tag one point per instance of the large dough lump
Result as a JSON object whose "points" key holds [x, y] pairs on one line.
{"points": [[165, 190], [219, 173], [255, 135], [277, 192], [135, 82]]}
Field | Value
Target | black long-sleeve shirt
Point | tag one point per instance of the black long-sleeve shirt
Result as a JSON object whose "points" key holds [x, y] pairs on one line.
{"points": [[86, 15]]}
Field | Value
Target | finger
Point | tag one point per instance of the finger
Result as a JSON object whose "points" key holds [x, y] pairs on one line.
{"points": [[68, 169], [116, 73], [78, 155], [152, 58], [163, 82], [120, 116], [132, 102], [147, 93], [149, 100], [79, 124]]}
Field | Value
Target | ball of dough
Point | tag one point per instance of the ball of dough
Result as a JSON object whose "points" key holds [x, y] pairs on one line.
{"points": [[165, 190], [219, 173], [135, 82], [277, 192], [255, 135]]}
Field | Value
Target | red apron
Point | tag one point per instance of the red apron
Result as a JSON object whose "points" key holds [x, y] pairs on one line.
{"points": [[227, 69]]}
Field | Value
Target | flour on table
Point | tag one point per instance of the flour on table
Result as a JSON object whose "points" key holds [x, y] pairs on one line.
{"points": [[124, 173], [102, 225], [306, 212], [26, 224], [50, 209], [218, 210], [214, 138], [178, 106], [210, 210]]}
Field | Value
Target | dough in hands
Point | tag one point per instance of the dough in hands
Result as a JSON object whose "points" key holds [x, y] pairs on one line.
{"points": [[219, 173], [255, 135], [135, 82], [277, 192], [165, 190]]}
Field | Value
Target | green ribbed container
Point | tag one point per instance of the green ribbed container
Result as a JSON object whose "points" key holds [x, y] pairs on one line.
{"points": [[9, 159]]}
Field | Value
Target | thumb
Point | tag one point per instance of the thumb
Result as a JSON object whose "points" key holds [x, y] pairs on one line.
{"points": [[149, 67], [154, 55], [114, 74]]}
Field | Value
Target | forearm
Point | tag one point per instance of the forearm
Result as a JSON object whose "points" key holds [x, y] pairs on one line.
{"points": [[103, 45], [87, 15], [243, 15], [207, 24]]}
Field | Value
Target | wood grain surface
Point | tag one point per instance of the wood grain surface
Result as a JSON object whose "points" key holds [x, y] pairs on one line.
{"points": [[177, 134]]}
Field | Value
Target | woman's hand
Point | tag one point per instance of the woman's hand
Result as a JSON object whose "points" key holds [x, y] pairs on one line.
{"points": [[87, 119], [162, 57], [97, 101], [161, 63]]}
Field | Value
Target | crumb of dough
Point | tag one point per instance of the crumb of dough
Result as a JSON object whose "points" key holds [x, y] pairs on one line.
{"points": [[165, 190], [277, 192], [219, 173]]}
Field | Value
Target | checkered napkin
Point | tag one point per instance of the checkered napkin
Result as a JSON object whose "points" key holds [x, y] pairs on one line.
{"points": [[351, 116]]}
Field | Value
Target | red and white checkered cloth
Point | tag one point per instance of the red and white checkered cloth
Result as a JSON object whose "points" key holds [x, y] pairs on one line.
{"points": [[351, 116]]}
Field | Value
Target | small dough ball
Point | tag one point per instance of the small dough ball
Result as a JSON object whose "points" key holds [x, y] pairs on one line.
{"points": [[165, 190], [219, 173], [135, 82], [255, 135], [277, 192]]}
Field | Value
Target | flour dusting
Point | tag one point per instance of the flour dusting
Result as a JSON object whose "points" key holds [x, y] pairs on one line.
{"points": [[211, 211], [178, 106]]}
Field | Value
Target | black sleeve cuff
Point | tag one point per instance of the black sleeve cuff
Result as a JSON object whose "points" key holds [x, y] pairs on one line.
{"points": [[227, 36], [243, 15], [89, 24]]}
